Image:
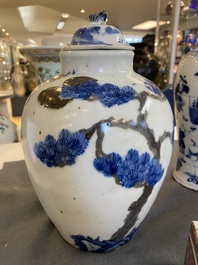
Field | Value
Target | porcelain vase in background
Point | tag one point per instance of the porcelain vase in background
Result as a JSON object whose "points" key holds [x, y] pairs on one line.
{"points": [[8, 129], [186, 106], [97, 140], [46, 60]]}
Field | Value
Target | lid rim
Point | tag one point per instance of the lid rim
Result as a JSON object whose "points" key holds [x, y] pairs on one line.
{"points": [[98, 47]]}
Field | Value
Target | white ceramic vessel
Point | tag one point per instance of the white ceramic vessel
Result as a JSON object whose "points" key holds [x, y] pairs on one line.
{"points": [[186, 106], [45, 59], [97, 141], [8, 129]]}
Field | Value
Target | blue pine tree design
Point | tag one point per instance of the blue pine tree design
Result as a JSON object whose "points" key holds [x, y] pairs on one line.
{"points": [[84, 90], [110, 95], [132, 170], [87, 88], [63, 151]]}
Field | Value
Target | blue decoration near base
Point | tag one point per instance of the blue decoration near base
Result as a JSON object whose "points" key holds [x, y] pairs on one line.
{"points": [[100, 246], [192, 178]]}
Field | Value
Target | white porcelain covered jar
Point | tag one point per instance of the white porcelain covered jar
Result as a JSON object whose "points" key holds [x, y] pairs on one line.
{"points": [[186, 106], [97, 141]]}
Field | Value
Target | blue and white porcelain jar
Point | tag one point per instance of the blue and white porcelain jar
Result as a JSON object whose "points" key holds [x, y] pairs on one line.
{"points": [[97, 141], [186, 106]]}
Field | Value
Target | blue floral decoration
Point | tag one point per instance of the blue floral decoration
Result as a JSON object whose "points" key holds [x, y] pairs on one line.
{"points": [[100, 246], [108, 94], [184, 87], [192, 178], [63, 151], [133, 169], [181, 88]]}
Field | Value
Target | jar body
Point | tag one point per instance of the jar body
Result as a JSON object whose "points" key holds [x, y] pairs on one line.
{"points": [[186, 98], [97, 141]]}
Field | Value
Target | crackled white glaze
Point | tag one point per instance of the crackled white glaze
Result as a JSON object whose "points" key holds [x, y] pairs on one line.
{"points": [[97, 141]]}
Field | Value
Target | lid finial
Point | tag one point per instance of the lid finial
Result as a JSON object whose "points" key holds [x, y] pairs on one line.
{"points": [[100, 18]]}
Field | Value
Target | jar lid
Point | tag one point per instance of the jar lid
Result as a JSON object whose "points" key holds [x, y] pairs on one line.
{"points": [[98, 35]]}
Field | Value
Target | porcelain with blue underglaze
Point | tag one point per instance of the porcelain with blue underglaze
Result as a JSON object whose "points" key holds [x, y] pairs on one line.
{"points": [[186, 103], [97, 140]]}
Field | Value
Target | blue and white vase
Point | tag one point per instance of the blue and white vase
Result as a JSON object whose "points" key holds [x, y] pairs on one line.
{"points": [[97, 140], [186, 106]]}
